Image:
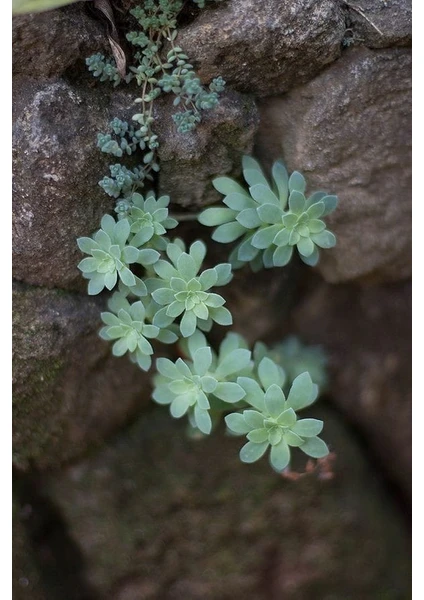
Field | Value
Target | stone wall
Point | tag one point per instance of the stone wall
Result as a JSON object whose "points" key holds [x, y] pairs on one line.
{"points": [[326, 88]]}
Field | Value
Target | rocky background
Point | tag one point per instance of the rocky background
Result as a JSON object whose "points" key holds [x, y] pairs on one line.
{"points": [[104, 509]]}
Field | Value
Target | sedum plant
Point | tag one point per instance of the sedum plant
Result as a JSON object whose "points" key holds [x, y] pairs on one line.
{"points": [[270, 220]]}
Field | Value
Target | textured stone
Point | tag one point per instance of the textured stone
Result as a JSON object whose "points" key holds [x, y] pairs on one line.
{"points": [[69, 392], [189, 162], [56, 169], [379, 23], [265, 48], [348, 131], [47, 44], [158, 516], [367, 334]]}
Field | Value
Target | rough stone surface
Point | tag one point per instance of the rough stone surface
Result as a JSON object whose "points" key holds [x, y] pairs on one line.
{"points": [[69, 392], [56, 169], [379, 23], [265, 48], [367, 334], [46, 44], [348, 131], [158, 516], [189, 162]]}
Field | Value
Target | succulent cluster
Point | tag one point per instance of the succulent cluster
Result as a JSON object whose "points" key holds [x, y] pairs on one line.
{"points": [[207, 384], [270, 220]]}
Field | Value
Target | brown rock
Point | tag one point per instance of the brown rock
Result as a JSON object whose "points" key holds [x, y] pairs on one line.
{"points": [[348, 131], [190, 161], [46, 44], [378, 23], [69, 393], [265, 48], [367, 334], [158, 516]]}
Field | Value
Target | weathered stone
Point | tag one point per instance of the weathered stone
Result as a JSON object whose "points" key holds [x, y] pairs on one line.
{"points": [[348, 131], [189, 162], [379, 23], [46, 44], [158, 516], [56, 167], [367, 334], [69, 392], [265, 48]]}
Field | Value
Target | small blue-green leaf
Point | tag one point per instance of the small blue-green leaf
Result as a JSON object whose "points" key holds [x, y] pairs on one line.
{"points": [[235, 361], [297, 182], [274, 400], [252, 452], [281, 180], [179, 406], [287, 418], [254, 393], [186, 266], [202, 419], [254, 419], [297, 202], [269, 373], [280, 455], [315, 447], [308, 427], [325, 239], [239, 202], [229, 392], [305, 246], [163, 296], [221, 315], [228, 232], [237, 423], [258, 435], [127, 277], [228, 186], [216, 216], [249, 218], [270, 214], [264, 237], [301, 392], [263, 194], [330, 203], [188, 323], [282, 256]]}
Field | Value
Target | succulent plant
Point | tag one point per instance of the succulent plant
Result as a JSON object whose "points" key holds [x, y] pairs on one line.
{"points": [[149, 220], [110, 256], [272, 421], [180, 290], [270, 220], [191, 386]]}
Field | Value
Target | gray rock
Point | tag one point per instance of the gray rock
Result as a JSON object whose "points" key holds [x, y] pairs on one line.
{"points": [[348, 131], [56, 169], [367, 334], [189, 162], [265, 48], [69, 393], [158, 516], [378, 23], [47, 44]]}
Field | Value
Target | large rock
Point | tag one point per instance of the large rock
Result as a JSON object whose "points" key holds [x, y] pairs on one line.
{"points": [[56, 169], [48, 44], [158, 516], [265, 48], [69, 392], [367, 334], [348, 131], [189, 162], [379, 23]]}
